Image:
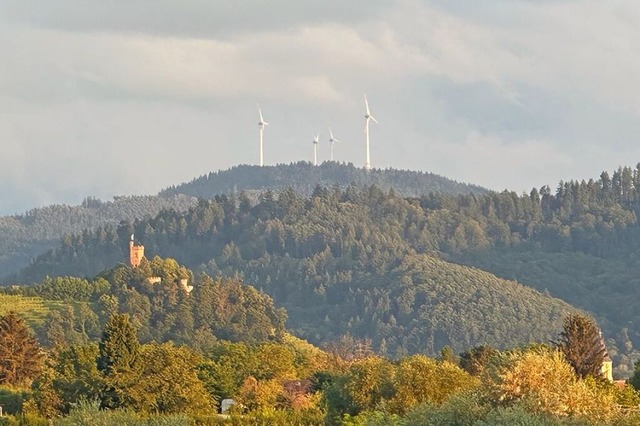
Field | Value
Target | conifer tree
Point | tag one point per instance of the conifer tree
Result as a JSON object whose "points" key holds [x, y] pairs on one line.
{"points": [[119, 361], [635, 379], [582, 345], [475, 360], [21, 358]]}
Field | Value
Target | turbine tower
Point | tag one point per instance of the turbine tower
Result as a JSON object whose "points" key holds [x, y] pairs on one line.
{"points": [[261, 124], [332, 140], [368, 116], [316, 141]]}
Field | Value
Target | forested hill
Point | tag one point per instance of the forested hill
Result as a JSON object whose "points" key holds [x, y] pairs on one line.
{"points": [[24, 236], [357, 261], [304, 177], [580, 242]]}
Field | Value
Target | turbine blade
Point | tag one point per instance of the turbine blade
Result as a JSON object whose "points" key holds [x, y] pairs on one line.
{"points": [[366, 103], [374, 120], [330, 134], [260, 112]]}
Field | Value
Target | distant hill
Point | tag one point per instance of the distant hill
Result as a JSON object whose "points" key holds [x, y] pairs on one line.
{"points": [[304, 177], [24, 236], [357, 261], [330, 257]]}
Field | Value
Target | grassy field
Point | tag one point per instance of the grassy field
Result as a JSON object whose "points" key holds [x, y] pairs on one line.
{"points": [[33, 309]]}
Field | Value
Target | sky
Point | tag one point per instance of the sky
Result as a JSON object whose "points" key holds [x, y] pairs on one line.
{"points": [[128, 97]]}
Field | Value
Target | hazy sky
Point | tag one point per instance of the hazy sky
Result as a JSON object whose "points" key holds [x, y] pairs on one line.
{"points": [[124, 97]]}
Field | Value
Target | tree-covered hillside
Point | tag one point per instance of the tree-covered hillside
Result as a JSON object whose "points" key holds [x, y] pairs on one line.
{"points": [[358, 261], [166, 302], [24, 236], [304, 177], [580, 242]]}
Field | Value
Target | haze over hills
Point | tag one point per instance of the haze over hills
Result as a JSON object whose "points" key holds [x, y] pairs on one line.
{"points": [[22, 237], [333, 253], [138, 98], [357, 261], [579, 243], [304, 177]]}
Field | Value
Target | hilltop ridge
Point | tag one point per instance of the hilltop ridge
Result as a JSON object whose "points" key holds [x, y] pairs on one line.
{"points": [[24, 236], [303, 177]]}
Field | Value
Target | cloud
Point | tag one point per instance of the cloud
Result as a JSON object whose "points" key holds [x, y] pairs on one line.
{"points": [[218, 19], [501, 93]]}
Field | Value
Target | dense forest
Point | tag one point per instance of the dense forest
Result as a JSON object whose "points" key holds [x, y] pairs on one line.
{"points": [[24, 236], [142, 347], [342, 259], [344, 252], [164, 300], [360, 271], [356, 262], [303, 177]]}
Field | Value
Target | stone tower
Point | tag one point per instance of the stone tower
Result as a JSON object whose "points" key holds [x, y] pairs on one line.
{"points": [[136, 253]]}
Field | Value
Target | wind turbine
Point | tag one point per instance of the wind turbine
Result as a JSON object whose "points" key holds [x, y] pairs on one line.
{"points": [[332, 140], [316, 141], [368, 117], [261, 124]]}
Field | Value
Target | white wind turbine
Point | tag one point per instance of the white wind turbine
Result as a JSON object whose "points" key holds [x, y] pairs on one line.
{"points": [[368, 117], [316, 141], [261, 124], [332, 140]]}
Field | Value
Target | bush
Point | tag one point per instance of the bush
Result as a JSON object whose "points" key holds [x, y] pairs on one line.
{"points": [[88, 413], [460, 410], [516, 416], [271, 417], [11, 400], [9, 421]]}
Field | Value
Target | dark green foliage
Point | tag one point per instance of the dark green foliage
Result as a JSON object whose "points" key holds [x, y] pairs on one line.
{"points": [[119, 347], [165, 310], [72, 325], [119, 361], [469, 410], [582, 345], [88, 413], [635, 379], [579, 242], [11, 400], [21, 358], [77, 375], [359, 262], [71, 288], [304, 178], [24, 236], [476, 359]]}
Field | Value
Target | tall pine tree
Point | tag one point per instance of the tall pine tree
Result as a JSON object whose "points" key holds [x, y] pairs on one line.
{"points": [[21, 358], [119, 361], [582, 345]]}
